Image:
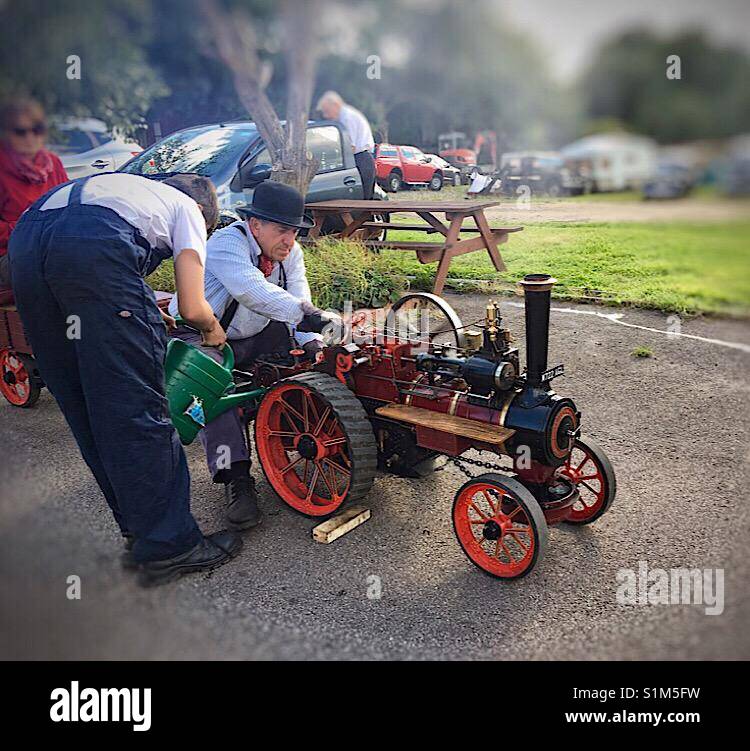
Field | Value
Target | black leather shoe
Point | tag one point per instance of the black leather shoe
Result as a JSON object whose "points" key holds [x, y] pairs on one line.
{"points": [[211, 552], [242, 504]]}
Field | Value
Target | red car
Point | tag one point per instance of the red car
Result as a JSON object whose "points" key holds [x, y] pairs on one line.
{"points": [[405, 165]]}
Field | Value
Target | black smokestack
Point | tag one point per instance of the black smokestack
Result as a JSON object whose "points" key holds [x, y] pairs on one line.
{"points": [[537, 288]]}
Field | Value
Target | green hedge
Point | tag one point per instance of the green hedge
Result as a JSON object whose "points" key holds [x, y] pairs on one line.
{"points": [[337, 270]]}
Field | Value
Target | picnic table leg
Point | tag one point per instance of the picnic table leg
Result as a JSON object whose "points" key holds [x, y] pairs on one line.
{"points": [[490, 240], [318, 218], [351, 225], [456, 221], [434, 222]]}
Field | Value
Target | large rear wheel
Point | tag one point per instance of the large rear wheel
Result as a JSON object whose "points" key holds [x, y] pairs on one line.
{"points": [[315, 443]]}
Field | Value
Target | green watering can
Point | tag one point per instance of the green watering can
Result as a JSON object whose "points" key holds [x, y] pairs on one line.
{"points": [[199, 388]]}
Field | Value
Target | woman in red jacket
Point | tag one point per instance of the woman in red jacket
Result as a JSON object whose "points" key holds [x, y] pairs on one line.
{"points": [[27, 169]]}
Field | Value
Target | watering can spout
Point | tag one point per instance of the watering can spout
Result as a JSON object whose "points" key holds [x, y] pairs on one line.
{"points": [[232, 401], [199, 389]]}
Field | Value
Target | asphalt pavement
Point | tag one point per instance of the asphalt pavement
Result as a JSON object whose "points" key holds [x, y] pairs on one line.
{"points": [[675, 426]]}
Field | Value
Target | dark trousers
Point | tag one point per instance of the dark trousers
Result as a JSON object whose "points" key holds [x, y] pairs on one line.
{"points": [[366, 166], [99, 342], [223, 438]]}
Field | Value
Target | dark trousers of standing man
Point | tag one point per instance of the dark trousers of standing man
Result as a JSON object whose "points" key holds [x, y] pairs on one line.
{"points": [[366, 166], [99, 342]]}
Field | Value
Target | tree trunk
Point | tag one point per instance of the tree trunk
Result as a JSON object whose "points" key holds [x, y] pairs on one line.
{"points": [[300, 25], [236, 45]]}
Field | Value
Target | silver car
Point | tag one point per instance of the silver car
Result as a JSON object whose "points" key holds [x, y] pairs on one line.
{"points": [[86, 147]]}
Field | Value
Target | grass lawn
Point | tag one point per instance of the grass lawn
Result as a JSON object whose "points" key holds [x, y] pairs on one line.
{"points": [[676, 267]]}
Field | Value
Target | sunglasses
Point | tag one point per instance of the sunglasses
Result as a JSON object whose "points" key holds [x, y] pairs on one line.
{"points": [[38, 130]]}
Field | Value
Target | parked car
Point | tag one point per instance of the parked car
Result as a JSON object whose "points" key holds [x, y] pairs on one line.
{"points": [[86, 147], [451, 175], [734, 176], [544, 172], [670, 181], [396, 166], [234, 156]]}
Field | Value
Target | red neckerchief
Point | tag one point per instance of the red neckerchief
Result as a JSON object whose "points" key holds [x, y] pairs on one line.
{"points": [[35, 170], [265, 264]]}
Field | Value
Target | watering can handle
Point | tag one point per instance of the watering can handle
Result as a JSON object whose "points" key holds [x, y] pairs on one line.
{"points": [[228, 361]]}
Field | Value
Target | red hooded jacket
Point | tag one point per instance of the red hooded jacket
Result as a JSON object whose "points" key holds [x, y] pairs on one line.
{"points": [[18, 190]]}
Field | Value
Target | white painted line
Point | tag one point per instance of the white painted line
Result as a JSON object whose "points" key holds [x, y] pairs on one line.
{"points": [[615, 318]]}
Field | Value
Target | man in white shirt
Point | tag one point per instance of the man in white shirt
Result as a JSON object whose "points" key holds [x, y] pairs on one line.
{"points": [[333, 107], [257, 285], [78, 259]]}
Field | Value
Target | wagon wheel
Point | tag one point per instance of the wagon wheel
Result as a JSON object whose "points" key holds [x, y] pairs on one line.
{"points": [[427, 318], [315, 443], [590, 471], [18, 383], [499, 525]]}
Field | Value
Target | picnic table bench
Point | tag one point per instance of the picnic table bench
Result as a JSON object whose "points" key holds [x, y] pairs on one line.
{"points": [[358, 217]]}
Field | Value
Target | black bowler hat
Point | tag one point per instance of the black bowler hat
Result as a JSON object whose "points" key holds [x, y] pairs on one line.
{"points": [[276, 202]]}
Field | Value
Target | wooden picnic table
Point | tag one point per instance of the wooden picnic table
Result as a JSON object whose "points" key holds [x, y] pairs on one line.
{"points": [[358, 216]]}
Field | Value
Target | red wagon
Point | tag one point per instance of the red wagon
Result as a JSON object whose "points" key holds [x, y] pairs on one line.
{"points": [[20, 383]]}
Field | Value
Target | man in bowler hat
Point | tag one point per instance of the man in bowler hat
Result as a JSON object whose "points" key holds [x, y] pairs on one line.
{"points": [[256, 284]]}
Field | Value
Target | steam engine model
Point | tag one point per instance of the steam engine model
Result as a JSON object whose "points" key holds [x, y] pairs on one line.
{"points": [[416, 395]]}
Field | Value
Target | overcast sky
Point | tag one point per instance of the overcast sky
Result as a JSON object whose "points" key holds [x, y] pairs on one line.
{"points": [[572, 29]]}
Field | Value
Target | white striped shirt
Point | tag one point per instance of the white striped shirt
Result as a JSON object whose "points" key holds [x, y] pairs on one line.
{"points": [[232, 273]]}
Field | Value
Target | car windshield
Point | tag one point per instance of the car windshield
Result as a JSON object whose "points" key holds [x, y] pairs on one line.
{"points": [[203, 151]]}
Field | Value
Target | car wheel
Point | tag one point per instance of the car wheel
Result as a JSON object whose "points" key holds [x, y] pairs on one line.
{"points": [[394, 182], [437, 181]]}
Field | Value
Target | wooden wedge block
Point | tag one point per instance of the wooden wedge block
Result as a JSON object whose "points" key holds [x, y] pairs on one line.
{"points": [[338, 525]]}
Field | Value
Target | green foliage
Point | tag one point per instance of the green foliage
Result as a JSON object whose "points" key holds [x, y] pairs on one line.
{"points": [[463, 68], [163, 278], [337, 271], [675, 267], [345, 270], [627, 83], [642, 352], [117, 83]]}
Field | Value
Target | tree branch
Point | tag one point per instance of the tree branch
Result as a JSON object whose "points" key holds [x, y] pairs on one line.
{"points": [[235, 42]]}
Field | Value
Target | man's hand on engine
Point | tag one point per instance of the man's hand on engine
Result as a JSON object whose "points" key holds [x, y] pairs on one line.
{"points": [[317, 321]]}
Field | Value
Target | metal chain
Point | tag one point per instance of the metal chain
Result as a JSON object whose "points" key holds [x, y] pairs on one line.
{"points": [[459, 460]]}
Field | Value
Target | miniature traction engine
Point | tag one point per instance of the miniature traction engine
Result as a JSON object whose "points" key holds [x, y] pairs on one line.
{"points": [[428, 388]]}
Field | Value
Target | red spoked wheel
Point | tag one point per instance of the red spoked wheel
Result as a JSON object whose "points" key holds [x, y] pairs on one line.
{"points": [[315, 443], [592, 473], [18, 381], [499, 525]]}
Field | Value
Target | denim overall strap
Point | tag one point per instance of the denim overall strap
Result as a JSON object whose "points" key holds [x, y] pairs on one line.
{"points": [[74, 199]]}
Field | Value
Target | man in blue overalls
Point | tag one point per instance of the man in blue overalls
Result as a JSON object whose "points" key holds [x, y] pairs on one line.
{"points": [[257, 284], [78, 259]]}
